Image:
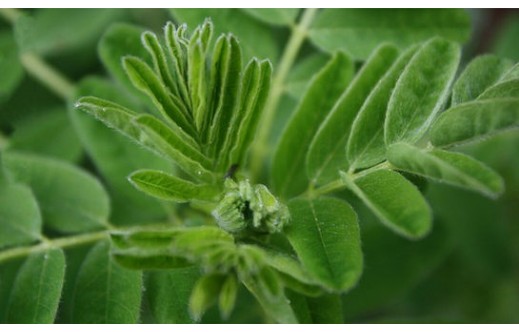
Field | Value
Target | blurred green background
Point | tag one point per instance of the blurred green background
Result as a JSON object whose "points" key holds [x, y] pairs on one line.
{"points": [[466, 271]]}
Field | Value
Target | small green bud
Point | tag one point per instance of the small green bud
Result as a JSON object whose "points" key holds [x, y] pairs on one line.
{"points": [[246, 207]]}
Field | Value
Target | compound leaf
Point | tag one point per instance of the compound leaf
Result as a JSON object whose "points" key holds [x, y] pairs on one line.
{"points": [[106, 293], [407, 213], [55, 185], [288, 176], [360, 31], [325, 235], [327, 154], [37, 289], [449, 167], [421, 91], [474, 121]]}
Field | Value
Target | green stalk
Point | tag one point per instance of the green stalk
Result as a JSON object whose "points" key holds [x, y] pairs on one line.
{"points": [[64, 242], [297, 37]]}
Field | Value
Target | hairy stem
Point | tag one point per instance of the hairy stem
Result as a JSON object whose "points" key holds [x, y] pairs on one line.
{"points": [[64, 242], [299, 32]]}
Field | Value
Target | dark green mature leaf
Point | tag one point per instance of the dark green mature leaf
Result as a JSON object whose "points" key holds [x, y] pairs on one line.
{"points": [[421, 91], [8, 273], [120, 40], [10, 66], [106, 292], [20, 218], [115, 161], [450, 167], [37, 289], [325, 235], [168, 294], [302, 72], [366, 145], [479, 75], [505, 89], [256, 38], [48, 133], [474, 121], [407, 213], [53, 31], [168, 143], [288, 173], [254, 94], [274, 16], [360, 31], [171, 188], [55, 185], [145, 79], [327, 151], [224, 86], [326, 309]]}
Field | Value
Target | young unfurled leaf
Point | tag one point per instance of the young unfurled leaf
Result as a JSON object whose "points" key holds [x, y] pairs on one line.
{"points": [[168, 294], [289, 178], [255, 86], [450, 167], [327, 154], [474, 121], [288, 266], [116, 160], [144, 79], [168, 143], [325, 236], [20, 218], [225, 84], [37, 289], [406, 212], [169, 187], [227, 297], [160, 62], [204, 295], [55, 184], [360, 31], [111, 114], [366, 145], [421, 91], [480, 74], [274, 16], [105, 292]]}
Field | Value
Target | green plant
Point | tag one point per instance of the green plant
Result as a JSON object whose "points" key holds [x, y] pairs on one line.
{"points": [[195, 123]]}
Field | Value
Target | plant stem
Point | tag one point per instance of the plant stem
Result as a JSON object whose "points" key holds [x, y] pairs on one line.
{"points": [[340, 183], [10, 14], [63, 242], [297, 38], [47, 75]]}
